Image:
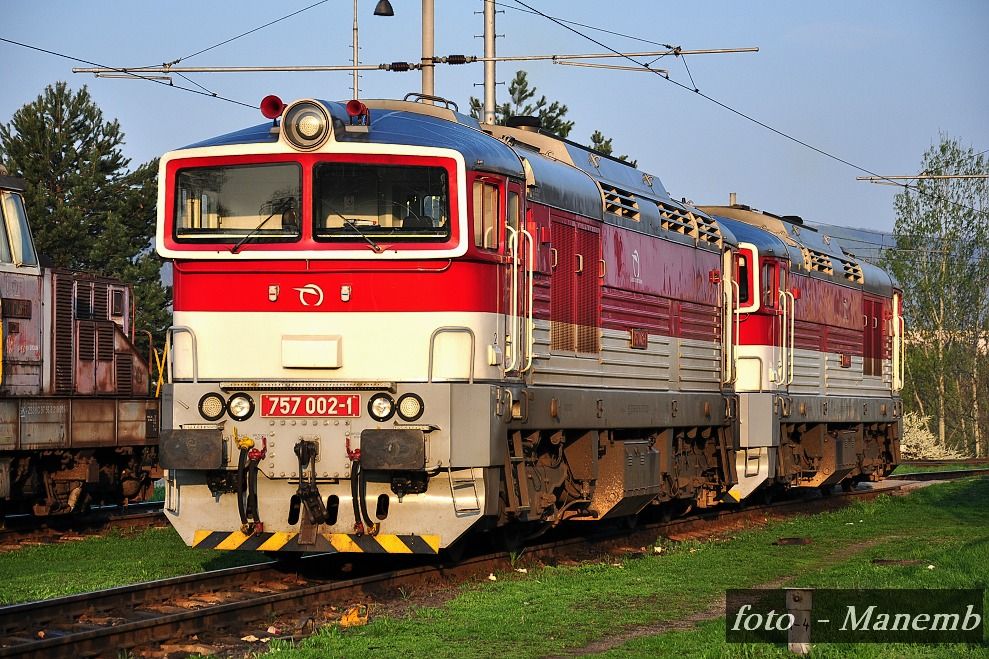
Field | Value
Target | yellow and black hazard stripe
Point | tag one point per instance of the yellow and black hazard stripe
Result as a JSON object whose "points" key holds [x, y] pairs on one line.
{"points": [[382, 543]]}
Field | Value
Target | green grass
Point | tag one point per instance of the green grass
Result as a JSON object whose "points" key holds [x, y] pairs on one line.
{"points": [[555, 610], [923, 469], [46, 571]]}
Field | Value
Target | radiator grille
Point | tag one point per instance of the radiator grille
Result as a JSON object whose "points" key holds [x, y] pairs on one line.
{"points": [[63, 339], [100, 302], [124, 370], [104, 344], [561, 332], [84, 300], [87, 340], [588, 293]]}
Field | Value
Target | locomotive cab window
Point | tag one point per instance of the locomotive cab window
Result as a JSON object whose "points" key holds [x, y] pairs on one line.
{"points": [[18, 248], [485, 215], [742, 276], [356, 202], [232, 203]]}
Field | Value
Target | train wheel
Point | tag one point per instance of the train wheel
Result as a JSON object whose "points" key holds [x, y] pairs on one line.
{"points": [[454, 553]]}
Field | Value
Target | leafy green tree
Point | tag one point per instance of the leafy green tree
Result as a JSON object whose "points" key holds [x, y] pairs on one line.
{"points": [[942, 263], [87, 210]]}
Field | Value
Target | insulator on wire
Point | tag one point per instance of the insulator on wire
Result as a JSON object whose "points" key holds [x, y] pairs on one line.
{"points": [[399, 66], [456, 59]]}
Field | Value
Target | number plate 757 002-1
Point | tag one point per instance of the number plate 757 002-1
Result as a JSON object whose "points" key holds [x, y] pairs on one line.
{"points": [[311, 405]]}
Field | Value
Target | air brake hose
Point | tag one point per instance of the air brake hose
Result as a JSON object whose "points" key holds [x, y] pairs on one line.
{"points": [[242, 486], [248, 464], [358, 493]]}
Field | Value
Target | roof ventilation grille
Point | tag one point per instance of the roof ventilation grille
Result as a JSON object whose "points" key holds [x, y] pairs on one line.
{"points": [[818, 261], [708, 230], [677, 220], [620, 202], [853, 271]]}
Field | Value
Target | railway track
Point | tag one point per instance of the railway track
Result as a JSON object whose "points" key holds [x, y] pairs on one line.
{"points": [[942, 463], [940, 475], [213, 610], [19, 530]]}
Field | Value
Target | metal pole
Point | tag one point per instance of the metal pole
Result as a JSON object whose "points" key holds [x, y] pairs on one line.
{"points": [[427, 48], [489, 62], [356, 92]]}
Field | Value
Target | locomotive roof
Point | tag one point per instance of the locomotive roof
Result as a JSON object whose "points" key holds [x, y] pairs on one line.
{"points": [[764, 241], [574, 178], [558, 173], [403, 122], [816, 254]]}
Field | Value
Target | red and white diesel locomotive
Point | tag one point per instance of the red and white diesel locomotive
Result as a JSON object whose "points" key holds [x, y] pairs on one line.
{"points": [[394, 325]]}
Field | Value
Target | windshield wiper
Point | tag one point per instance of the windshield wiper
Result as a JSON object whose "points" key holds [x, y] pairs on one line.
{"points": [[353, 225], [282, 208]]}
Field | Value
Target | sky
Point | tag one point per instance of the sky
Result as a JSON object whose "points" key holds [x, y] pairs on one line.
{"points": [[873, 83]]}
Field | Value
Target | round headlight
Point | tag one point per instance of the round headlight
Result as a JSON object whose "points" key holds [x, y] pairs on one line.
{"points": [[212, 406], [306, 125], [381, 407], [240, 407], [410, 407]]}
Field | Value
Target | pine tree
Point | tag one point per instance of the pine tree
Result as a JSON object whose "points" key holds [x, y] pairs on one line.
{"points": [[552, 116], [602, 144], [86, 210]]}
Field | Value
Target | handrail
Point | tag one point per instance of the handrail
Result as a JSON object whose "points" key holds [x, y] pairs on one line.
{"points": [[513, 317], [451, 330], [793, 333], [178, 329], [737, 326], [726, 312], [784, 343], [529, 324], [903, 352]]}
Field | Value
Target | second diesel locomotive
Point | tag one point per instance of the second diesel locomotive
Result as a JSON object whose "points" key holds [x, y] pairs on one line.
{"points": [[394, 325], [77, 422]]}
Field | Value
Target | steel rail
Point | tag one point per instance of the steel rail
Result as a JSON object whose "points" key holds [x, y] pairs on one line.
{"points": [[69, 629]]}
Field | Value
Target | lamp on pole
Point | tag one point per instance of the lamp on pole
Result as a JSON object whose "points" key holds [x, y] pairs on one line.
{"points": [[383, 8]]}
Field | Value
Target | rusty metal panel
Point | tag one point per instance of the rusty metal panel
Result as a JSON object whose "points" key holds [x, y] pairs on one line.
{"points": [[8, 425], [191, 449], [22, 333], [44, 423], [132, 422], [93, 422], [390, 449]]}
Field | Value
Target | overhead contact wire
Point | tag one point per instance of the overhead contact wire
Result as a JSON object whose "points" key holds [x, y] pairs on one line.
{"points": [[126, 72], [749, 117]]}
